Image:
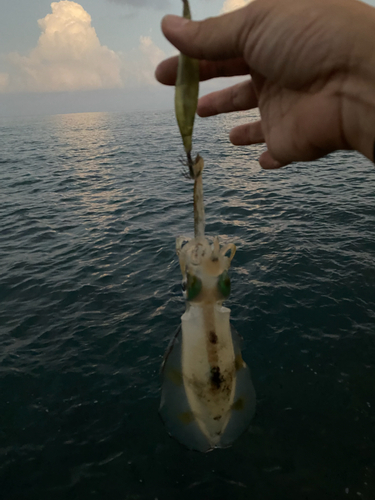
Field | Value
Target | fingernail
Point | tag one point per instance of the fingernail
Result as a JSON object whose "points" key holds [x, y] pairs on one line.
{"points": [[174, 23]]}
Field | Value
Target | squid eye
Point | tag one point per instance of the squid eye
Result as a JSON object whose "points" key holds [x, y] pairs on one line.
{"points": [[224, 284], [184, 285], [194, 287]]}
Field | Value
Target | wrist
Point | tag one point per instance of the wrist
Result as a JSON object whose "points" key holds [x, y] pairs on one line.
{"points": [[358, 116], [358, 110]]}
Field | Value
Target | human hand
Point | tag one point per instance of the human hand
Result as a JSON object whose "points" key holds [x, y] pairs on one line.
{"points": [[312, 68]]}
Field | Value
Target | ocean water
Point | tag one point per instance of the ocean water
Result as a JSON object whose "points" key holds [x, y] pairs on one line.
{"points": [[90, 296]]}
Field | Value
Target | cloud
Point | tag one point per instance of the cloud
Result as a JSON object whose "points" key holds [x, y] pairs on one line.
{"points": [[156, 4], [4, 81], [151, 51], [140, 64], [68, 56], [230, 5]]}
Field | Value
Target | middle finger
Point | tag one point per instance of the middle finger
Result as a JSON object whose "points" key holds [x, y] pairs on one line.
{"points": [[166, 71], [239, 97]]}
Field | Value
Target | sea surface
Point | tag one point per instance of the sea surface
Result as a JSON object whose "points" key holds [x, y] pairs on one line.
{"points": [[90, 296]]}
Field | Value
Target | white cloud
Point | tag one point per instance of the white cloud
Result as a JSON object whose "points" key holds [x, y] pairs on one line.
{"points": [[68, 56], [4, 81], [140, 63], [151, 51], [156, 4], [230, 5]]}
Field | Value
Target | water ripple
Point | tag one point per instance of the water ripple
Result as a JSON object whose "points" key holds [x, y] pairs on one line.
{"points": [[90, 296]]}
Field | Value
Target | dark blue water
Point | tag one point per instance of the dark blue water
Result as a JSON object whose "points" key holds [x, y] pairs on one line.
{"points": [[90, 206]]}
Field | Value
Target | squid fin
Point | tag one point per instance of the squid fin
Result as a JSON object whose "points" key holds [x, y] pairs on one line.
{"points": [[175, 410], [243, 407], [174, 407]]}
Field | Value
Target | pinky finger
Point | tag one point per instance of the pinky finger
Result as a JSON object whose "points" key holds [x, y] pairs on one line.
{"points": [[268, 163]]}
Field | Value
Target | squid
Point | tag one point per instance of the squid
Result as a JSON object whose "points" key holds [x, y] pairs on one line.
{"points": [[208, 398]]}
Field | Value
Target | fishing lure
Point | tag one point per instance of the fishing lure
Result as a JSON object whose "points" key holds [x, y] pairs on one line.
{"points": [[208, 398], [186, 96]]}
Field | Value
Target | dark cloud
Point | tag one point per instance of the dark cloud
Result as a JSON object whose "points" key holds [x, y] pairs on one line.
{"points": [[155, 4]]}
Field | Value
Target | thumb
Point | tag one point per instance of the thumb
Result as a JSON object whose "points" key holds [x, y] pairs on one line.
{"points": [[221, 37]]}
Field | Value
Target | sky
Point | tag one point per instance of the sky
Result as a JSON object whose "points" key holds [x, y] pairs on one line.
{"points": [[89, 55]]}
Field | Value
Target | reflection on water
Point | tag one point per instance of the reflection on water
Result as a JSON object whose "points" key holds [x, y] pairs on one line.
{"points": [[83, 134]]}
